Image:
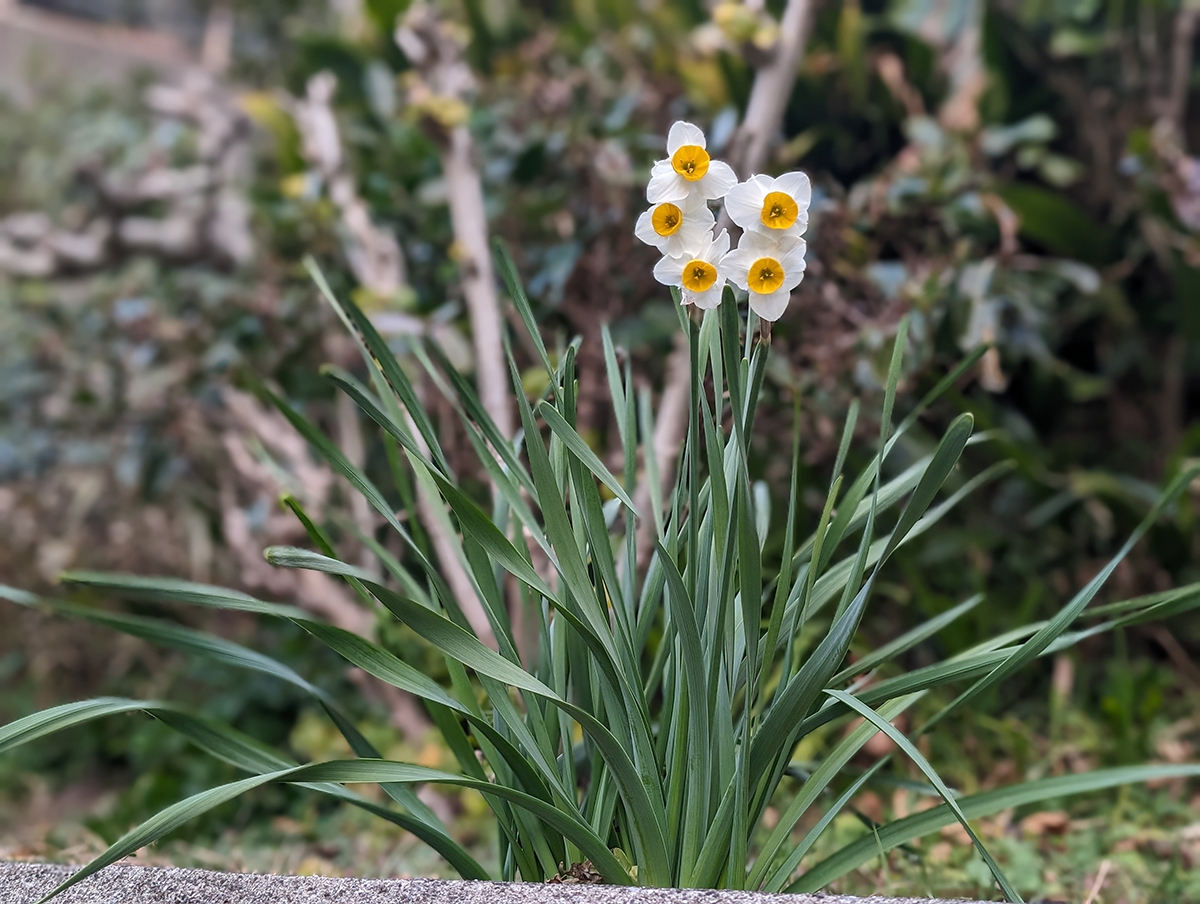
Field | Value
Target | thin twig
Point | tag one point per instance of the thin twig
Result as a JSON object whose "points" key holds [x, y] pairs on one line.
{"points": [[440, 97], [469, 221], [1105, 866], [217, 45], [456, 576], [772, 88], [962, 61], [1182, 44], [670, 428], [350, 440]]}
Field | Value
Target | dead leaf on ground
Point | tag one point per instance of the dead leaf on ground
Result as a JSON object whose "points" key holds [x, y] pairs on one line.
{"points": [[1047, 822]]}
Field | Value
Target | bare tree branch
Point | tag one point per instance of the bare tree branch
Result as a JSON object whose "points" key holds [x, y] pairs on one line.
{"points": [[1182, 46], [432, 510], [772, 88], [216, 48], [670, 428], [440, 97], [469, 220]]}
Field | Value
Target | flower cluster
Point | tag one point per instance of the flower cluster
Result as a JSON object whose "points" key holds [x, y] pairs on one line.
{"points": [[773, 213]]}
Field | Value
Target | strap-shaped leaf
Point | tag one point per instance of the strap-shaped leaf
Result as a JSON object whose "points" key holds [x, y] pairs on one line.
{"points": [[683, 617], [1047, 634], [226, 743], [37, 725], [772, 878], [201, 643], [512, 279], [176, 591], [572, 440], [353, 771], [976, 806], [381, 358], [464, 647], [930, 773]]}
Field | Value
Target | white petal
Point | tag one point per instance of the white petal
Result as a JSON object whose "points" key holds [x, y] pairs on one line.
{"points": [[792, 277], [710, 299], [763, 244], [793, 260], [770, 307], [736, 267], [669, 271], [676, 245], [698, 218], [690, 245], [668, 186], [718, 180], [718, 249], [644, 230], [797, 185], [692, 237], [699, 213], [744, 204], [684, 133]]}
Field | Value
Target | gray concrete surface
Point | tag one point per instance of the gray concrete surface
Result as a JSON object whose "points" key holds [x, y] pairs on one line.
{"points": [[24, 883]]}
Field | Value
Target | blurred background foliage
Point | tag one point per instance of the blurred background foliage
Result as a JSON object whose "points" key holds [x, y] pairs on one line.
{"points": [[1015, 172]]}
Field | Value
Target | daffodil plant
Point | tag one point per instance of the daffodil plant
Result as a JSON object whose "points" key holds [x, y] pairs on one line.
{"points": [[659, 718]]}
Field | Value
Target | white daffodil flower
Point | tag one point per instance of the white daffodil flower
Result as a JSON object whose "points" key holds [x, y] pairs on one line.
{"points": [[688, 172], [776, 206], [768, 267], [698, 271], [673, 228]]}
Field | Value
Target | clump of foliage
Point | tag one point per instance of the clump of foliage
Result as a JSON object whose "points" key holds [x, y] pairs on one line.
{"points": [[654, 715]]}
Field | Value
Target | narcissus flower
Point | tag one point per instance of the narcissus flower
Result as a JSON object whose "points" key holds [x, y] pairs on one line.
{"points": [[698, 272], [688, 171], [673, 227], [769, 261], [772, 206], [768, 268]]}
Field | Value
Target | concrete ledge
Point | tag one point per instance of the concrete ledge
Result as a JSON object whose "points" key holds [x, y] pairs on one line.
{"points": [[23, 883]]}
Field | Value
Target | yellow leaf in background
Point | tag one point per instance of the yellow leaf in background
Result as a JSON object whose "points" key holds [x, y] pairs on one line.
{"points": [[534, 381], [765, 36], [261, 107], [315, 866], [294, 186], [704, 81], [431, 756], [314, 737], [263, 110]]}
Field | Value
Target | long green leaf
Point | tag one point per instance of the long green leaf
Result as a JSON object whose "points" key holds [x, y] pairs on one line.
{"points": [[975, 806], [232, 746], [381, 357], [930, 773], [512, 279], [354, 771], [572, 440]]}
